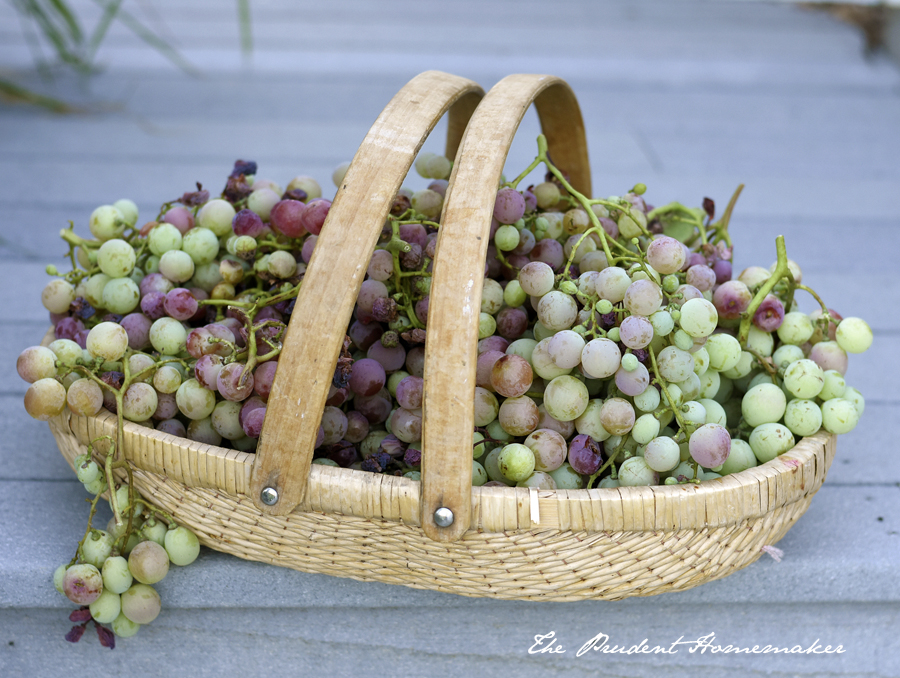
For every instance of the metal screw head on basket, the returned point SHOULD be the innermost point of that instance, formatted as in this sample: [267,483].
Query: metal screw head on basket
[269,496]
[443,517]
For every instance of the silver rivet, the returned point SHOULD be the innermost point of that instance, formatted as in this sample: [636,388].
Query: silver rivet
[269,496]
[443,517]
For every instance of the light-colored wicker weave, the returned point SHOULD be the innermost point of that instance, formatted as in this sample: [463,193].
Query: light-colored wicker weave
[512,543]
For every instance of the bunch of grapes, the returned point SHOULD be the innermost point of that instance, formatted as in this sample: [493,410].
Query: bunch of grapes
[112,573]
[616,348]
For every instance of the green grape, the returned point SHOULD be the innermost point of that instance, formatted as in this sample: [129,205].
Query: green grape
[740,458]
[839,415]
[786,354]
[58,574]
[87,471]
[854,335]
[261,201]
[770,440]
[107,222]
[804,379]
[128,210]
[97,547]
[763,404]
[182,546]
[166,379]
[516,462]
[123,627]
[693,413]
[207,276]
[506,238]
[217,215]
[566,478]
[629,362]
[683,340]
[177,266]
[566,398]
[97,486]
[167,336]
[796,328]
[701,361]
[715,413]
[116,258]
[117,577]
[743,367]
[662,454]
[856,398]
[479,475]
[834,386]
[155,530]
[759,340]
[648,400]
[165,237]
[588,422]
[803,417]
[107,340]
[140,402]
[724,351]
[645,428]
[636,472]
[487,325]
[540,480]
[106,608]
[698,318]
[140,603]
[121,295]
[514,295]
[201,244]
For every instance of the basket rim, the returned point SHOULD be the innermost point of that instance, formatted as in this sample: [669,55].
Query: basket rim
[732,498]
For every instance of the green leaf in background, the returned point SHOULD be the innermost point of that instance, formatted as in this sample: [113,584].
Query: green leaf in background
[60,27]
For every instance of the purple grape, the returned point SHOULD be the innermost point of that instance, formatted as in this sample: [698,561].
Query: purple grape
[287,217]
[421,309]
[253,422]
[375,409]
[68,328]
[610,226]
[770,314]
[685,293]
[269,313]
[81,338]
[357,427]
[550,252]
[315,214]
[336,396]
[484,366]
[233,383]
[364,335]
[207,369]
[636,332]
[512,323]
[530,200]
[584,454]
[632,383]
[732,298]
[263,378]
[439,186]
[252,403]
[415,361]
[180,304]
[154,305]
[709,445]
[181,218]
[166,407]
[137,327]
[509,206]
[367,377]
[247,222]
[493,343]
[722,269]
[414,234]
[309,244]
[702,277]
[155,282]
[172,427]
[343,454]
[409,392]
[198,342]
[391,359]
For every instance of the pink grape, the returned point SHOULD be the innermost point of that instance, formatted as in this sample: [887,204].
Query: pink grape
[314,216]
[287,217]
[367,377]
[233,383]
[709,445]
[248,222]
[509,206]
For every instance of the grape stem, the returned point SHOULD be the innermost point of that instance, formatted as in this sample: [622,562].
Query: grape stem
[87,532]
[662,383]
[782,271]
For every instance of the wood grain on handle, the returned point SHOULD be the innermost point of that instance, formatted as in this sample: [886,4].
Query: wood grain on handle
[455,301]
[327,296]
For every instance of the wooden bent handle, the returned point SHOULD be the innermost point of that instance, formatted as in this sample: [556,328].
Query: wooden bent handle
[327,296]
[455,301]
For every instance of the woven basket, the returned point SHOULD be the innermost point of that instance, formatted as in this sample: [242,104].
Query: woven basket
[512,543]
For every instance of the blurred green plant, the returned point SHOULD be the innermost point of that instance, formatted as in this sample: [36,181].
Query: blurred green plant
[76,48]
